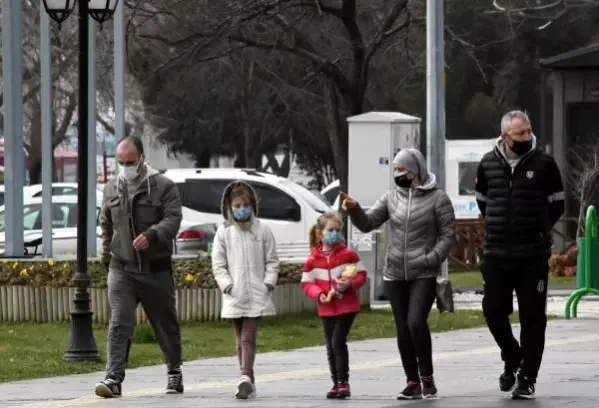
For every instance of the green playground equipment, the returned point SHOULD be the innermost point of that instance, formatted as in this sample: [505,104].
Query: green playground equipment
[588,248]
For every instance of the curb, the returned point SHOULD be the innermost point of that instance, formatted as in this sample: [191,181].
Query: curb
[550,292]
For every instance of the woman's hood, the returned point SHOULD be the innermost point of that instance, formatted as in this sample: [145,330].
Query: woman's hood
[413,160]
[225,206]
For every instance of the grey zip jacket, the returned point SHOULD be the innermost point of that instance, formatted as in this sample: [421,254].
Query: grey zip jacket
[422,224]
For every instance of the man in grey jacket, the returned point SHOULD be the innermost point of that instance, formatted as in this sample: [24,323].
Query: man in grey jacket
[140,218]
[422,224]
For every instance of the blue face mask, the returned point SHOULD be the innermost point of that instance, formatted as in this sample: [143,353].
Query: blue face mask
[242,214]
[332,238]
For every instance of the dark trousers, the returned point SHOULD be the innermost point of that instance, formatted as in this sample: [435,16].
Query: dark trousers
[156,292]
[411,303]
[336,330]
[528,278]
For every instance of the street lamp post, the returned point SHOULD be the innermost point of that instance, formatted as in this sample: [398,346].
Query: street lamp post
[82,345]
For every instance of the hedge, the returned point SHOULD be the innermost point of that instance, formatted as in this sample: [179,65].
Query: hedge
[188,273]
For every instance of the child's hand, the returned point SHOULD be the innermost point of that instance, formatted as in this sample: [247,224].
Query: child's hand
[343,285]
[322,298]
[228,289]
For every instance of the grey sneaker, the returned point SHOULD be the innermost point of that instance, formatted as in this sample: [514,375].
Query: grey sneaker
[109,388]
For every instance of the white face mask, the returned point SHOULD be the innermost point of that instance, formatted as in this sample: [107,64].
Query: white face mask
[129,173]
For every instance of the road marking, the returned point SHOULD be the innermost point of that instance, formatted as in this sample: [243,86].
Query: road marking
[299,374]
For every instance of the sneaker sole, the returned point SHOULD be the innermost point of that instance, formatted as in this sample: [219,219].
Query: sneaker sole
[174,392]
[409,398]
[429,396]
[244,391]
[103,391]
[522,397]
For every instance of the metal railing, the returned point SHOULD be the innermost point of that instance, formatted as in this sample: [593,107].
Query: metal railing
[590,236]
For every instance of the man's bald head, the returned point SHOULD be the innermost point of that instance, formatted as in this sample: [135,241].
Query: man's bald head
[129,151]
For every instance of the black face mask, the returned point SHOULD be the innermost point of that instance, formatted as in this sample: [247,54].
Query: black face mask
[403,181]
[521,148]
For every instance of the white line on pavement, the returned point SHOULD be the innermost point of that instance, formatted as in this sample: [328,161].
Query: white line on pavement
[299,374]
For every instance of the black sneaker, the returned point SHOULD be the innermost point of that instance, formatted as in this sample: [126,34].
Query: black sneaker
[108,388]
[175,382]
[429,390]
[525,389]
[507,379]
[413,391]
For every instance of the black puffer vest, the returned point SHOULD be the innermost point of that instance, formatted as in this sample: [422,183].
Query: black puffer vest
[517,221]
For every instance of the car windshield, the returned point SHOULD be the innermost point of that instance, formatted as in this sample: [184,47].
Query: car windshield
[30,215]
[315,201]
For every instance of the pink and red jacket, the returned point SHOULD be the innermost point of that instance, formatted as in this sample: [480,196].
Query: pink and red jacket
[318,278]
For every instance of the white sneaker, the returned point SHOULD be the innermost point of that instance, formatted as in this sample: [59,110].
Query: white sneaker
[245,388]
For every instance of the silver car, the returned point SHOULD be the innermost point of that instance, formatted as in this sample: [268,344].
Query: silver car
[192,238]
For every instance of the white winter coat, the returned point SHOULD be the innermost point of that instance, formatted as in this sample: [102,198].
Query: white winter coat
[248,260]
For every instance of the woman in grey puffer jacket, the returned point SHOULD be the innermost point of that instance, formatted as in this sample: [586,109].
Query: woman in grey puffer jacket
[422,224]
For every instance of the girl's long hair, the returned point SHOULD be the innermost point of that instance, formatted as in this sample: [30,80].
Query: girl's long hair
[321,223]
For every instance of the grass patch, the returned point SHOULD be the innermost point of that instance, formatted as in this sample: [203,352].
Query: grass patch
[35,350]
[474,280]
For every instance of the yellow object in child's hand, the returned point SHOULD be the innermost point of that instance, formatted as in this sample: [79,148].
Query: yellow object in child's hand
[350,272]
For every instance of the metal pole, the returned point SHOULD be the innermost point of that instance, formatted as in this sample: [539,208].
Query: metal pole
[14,160]
[440,100]
[543,114]
[92,148]
[82,345]
[119,71]
[47,151]
[435,94]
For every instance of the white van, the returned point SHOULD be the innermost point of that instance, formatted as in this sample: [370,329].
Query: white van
[288,208]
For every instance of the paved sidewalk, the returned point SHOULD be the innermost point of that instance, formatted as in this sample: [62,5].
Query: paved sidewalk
[467,365]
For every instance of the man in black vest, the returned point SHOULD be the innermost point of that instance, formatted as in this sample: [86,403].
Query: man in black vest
[520,194]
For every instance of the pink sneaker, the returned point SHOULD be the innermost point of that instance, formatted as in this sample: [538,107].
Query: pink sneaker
[343,390]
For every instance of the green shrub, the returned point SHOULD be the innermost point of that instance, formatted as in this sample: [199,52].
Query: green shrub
[144,334]
[188,273]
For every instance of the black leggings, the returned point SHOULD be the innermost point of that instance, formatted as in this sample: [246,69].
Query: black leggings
[411,302]
[336,329]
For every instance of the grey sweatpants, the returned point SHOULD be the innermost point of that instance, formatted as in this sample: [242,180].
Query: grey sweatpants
[156,292]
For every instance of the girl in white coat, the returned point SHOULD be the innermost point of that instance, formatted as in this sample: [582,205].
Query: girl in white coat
[246,267]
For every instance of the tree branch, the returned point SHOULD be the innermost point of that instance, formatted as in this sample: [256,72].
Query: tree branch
[386,30]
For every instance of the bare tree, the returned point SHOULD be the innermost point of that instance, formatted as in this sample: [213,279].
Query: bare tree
[546,13]
[64,81]
[583,178]
[336,40]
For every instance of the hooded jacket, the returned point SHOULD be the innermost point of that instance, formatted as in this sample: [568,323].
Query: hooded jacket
[153,210]
[319,276]
[422,226]
[245,263]
[520,200]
